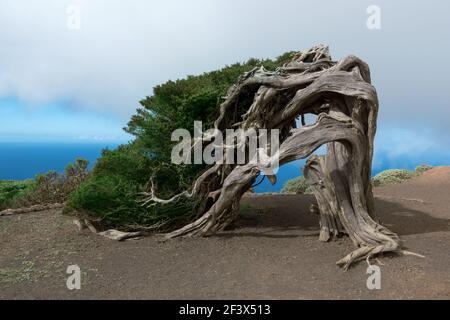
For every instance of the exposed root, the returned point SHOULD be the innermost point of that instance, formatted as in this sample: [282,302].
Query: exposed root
[366,252]
[35,208]
[112,234]
[199,227]
[119,235]
[409,253]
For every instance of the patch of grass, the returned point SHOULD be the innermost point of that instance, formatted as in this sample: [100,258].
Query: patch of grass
[17,275]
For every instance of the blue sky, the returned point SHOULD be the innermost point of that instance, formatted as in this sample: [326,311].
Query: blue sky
[59,84]
[57,121]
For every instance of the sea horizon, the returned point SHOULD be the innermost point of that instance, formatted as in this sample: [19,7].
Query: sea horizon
[24,160]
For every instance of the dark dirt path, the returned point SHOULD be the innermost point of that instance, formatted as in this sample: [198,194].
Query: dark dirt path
[273,253]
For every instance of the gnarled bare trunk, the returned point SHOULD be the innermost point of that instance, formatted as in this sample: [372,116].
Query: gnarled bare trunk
[346,103]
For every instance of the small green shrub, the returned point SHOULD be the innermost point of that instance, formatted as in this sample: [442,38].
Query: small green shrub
[127,161]
[54,187]
[392,176]
[51,187]
[107,197]
[113,200]
[422,168]
[297,185]
[10,191]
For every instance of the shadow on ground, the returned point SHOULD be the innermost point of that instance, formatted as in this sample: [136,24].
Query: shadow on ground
[292,214]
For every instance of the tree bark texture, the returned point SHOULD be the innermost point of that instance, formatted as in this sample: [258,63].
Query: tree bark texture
[342,97]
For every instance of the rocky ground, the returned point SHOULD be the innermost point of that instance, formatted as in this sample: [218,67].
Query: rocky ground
[272,253]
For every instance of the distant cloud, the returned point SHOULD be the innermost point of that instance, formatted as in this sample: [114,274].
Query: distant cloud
[123,49]
[393,142]
[100,138]
[54,122]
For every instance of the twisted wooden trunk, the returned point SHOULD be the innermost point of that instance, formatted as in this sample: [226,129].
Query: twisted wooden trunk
[341,95]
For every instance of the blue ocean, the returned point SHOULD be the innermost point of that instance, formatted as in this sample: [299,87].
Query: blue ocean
[24,160]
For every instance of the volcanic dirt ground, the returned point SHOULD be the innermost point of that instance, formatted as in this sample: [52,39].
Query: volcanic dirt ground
[273,252]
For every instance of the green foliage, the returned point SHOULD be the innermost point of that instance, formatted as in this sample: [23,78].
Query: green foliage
[54,187]
[51,187]
[10,191]
[112,200]
[392,176]
[112,194]
[297,185]
[422,168]
[128,161]
[108,198]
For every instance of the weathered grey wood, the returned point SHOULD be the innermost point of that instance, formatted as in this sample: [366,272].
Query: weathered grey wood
[34,208]
[346,103]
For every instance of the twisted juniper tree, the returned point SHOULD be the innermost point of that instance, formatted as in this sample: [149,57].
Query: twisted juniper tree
[341,95]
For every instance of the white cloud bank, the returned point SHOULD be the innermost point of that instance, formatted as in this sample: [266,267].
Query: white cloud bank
[124,48]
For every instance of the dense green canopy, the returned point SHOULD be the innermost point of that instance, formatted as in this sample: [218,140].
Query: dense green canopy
[111,194]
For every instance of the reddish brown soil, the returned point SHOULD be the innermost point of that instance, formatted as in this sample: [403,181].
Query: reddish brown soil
[272,253]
